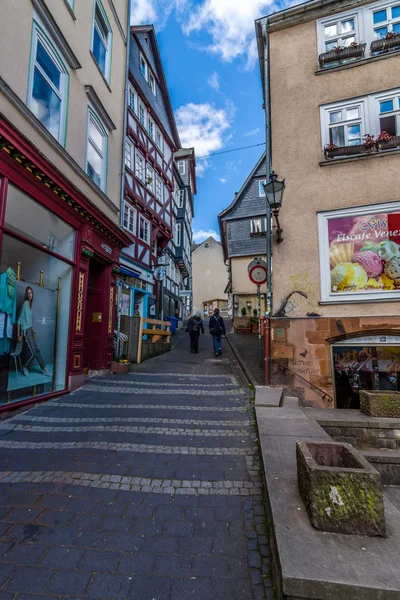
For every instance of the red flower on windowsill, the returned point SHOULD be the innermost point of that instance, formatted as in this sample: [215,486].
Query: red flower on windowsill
[368,140]
[331,146]
[383,136]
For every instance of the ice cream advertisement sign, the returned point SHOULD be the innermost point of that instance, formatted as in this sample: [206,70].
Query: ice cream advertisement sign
[364,253]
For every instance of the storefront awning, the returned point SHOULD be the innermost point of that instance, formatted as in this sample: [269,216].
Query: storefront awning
[128,272]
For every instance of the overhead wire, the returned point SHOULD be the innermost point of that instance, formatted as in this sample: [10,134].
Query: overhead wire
[227,151]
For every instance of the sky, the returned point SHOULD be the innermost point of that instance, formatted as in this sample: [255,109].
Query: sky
[209,53]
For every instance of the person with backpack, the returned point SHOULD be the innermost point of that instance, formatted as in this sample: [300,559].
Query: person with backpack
[194,326]
[217,329]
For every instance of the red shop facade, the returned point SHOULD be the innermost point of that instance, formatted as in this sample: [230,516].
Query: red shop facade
[59,258]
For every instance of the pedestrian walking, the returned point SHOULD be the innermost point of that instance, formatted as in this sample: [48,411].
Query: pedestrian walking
[217,329]
[194,327]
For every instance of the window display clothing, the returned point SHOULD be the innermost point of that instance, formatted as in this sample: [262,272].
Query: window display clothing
[33,351]
[8,308]
[25,317]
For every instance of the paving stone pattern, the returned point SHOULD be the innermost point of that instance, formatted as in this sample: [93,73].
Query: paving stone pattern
[92,509]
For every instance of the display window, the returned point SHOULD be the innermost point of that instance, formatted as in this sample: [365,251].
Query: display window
[365,364]
[35,298]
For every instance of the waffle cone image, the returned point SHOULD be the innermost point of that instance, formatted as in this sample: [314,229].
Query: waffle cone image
[341,253]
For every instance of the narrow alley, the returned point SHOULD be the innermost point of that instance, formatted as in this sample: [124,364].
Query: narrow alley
[142,486]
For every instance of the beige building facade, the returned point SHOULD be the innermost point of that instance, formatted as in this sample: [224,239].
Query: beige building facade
[62,100]
[209,277]
[333,134]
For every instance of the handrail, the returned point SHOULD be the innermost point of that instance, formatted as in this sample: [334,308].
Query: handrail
[330,398]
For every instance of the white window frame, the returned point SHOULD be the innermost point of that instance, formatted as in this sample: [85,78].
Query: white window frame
[98,123]
[340,37]
[256,225]
[376,115]
[130,218]
[369,19]
[152,82]
[107,40]
[181,167]
[150,175]
[261,191]
[140,165]
[327,109]
[142,108]
[323,241]
[133,94]
[40,35]
[159,135]
[146,66]
[129,155]
[159,189]
[151,127]
[147,230]
[181,198]
[178,234]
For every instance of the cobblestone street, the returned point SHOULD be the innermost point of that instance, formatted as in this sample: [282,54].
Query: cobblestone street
[144,486]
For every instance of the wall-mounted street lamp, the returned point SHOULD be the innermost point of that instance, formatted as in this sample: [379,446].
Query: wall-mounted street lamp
[236,305]
[274,195]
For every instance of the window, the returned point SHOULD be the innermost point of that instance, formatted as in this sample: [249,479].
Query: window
[150,178]
[159,189]
[96,150]
[154,248]
[71,3]
[144,229]
[181,167]
[386,20]
[142,114]
[101,45]
[389,114]
[342,235]
[150,127]
[48,86]
[152,83]
[129,218]
[258,226]
[181,198]
[340,32]
[345,126]
[159,139]
[140,165]
[132,99]
[143,67]
[261,191]
[178,233]
[129,155]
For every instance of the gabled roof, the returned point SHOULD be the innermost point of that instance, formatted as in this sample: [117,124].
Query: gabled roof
[240,192]
[154,58]
[189,154]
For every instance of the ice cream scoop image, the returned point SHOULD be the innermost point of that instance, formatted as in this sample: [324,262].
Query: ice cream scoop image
[348,276]
[388,250]
[369,261]
[392,269]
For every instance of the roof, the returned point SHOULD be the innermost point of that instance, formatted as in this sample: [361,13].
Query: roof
[190,154]
[239,193]
[154,58]
[204,242]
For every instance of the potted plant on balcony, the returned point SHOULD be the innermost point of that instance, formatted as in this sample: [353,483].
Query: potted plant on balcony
[120,366]
[332,150]
[385,141]
[389,42]
[342,53]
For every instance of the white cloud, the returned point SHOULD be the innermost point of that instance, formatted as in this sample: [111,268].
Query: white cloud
[143,11]
[222,179]
[199,235]
[213,81]
[252,132]
[230,24]
[205,127]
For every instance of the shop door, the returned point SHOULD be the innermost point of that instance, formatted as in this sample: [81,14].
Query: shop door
[95,317]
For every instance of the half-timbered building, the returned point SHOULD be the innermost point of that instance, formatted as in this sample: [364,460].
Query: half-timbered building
[152,139]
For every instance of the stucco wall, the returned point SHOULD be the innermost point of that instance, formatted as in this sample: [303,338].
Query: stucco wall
[297,93]
[241,283]
[209,273]
[15,42]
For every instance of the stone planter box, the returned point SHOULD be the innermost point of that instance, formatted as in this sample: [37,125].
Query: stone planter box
[348,53]
[341,491]
[380,403]
[347,151]
[385,44]
[394,142]
[120,368]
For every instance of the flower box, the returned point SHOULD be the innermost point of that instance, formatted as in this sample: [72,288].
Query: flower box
[348,53]
[347,150]
[394,142]
[385,44]
[120,368]
[380,403]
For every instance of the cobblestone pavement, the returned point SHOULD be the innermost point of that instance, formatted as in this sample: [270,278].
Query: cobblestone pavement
[145,486]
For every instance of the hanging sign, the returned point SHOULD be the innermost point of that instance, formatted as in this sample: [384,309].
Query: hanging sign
[159,273]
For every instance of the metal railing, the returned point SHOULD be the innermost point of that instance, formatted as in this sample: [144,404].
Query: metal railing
[315,387]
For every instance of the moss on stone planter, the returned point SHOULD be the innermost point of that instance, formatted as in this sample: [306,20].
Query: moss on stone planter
[380,403]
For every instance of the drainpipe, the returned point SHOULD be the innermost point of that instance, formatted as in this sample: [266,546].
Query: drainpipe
[268,161]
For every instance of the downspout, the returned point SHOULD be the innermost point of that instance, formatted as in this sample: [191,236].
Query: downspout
[268,162]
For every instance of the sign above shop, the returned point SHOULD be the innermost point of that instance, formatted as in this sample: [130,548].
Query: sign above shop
[106,248]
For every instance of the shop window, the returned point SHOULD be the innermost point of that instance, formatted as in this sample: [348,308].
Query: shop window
[359,253]
[144,230]
[102,37]
[32,221]
[370,363]
[34,319]
[96,150]
[48,85]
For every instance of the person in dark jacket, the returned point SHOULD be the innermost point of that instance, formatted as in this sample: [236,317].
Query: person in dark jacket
[217,329]
[194,326]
